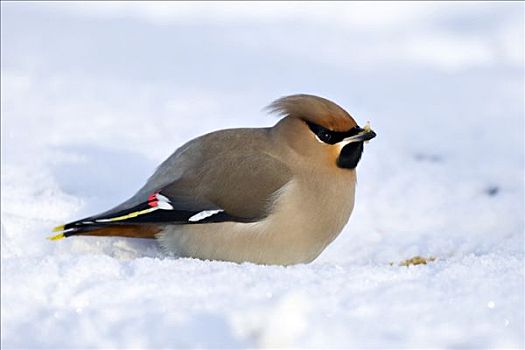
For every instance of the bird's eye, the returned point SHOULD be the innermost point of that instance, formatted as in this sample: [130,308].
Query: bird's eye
[325,136]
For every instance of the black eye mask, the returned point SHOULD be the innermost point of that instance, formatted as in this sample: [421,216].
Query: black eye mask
[332,137]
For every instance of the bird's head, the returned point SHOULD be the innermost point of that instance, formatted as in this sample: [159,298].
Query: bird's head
[319,127]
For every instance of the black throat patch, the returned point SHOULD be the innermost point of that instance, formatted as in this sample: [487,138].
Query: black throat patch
[350,155]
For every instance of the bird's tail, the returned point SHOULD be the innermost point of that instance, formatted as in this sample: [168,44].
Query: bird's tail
[139,221]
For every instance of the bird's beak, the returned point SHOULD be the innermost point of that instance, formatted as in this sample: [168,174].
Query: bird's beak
[364,134]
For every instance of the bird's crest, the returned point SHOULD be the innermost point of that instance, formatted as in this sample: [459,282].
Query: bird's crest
[314,109]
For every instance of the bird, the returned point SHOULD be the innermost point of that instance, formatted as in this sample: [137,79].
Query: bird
[274,195]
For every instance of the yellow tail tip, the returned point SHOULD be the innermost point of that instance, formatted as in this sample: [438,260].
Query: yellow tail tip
[56,237]
[59,228]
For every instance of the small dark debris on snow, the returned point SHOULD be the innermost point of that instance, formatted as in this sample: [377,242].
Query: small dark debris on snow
[432,158]
[492,191]
[417,260]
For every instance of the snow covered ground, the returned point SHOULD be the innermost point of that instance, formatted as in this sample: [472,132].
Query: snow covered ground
[95,95]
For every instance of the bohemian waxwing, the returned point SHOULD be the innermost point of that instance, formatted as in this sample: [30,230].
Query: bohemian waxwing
[274,195]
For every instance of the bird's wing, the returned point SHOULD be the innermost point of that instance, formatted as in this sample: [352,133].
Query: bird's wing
[242,185]
[208,186]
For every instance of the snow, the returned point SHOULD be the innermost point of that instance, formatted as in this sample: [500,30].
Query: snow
[95,95]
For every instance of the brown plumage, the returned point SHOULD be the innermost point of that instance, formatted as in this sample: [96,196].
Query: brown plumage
[132,231]
[274,195]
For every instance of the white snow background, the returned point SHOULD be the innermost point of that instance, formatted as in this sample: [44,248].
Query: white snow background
[95,95]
